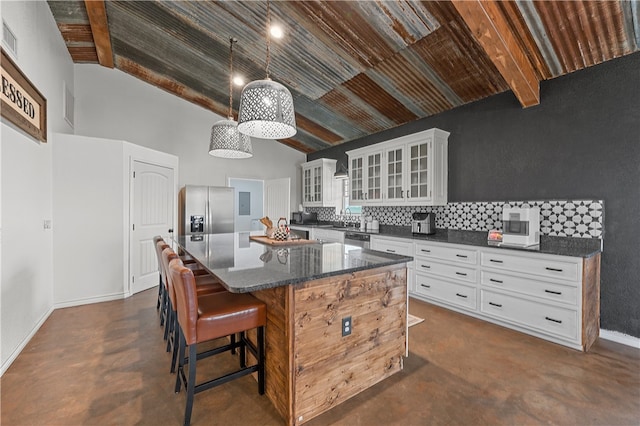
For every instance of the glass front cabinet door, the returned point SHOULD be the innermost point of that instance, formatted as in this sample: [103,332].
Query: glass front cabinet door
[318,185]
[409,170]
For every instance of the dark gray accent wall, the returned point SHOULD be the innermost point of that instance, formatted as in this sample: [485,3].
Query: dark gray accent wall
[582,141]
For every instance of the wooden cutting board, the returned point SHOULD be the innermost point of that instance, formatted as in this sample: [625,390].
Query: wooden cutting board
[266,240]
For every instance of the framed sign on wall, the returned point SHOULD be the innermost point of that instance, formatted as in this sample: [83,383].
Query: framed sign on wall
[22,104]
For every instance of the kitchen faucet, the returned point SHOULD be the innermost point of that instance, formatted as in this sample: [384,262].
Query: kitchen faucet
[344,217]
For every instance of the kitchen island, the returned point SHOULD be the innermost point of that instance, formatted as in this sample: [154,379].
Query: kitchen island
[336,315]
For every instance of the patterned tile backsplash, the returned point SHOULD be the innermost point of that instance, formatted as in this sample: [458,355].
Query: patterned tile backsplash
[563,218]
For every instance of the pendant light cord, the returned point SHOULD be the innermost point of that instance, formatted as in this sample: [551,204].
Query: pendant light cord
[268,38]
[231,41]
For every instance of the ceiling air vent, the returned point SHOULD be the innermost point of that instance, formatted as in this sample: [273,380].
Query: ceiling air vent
[68,107]
[9,39]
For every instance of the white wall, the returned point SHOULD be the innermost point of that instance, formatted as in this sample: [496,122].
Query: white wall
[91,206]
[27,258]
[114,105]
[89,216]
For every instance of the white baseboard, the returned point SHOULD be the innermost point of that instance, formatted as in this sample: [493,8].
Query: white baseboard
[616,336]
[89,300]
[24,342]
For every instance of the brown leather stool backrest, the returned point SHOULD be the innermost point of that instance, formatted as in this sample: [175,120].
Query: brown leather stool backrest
[167,256]
[184,284]
[157,240]
[160,246]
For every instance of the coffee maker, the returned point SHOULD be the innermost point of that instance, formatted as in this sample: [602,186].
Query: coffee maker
[423,223]
[521,226]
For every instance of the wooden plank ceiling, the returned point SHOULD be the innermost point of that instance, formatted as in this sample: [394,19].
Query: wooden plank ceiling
[353,67]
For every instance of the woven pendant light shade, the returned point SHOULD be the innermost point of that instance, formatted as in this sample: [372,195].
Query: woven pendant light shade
[266,107]
[266,111]
[227,142]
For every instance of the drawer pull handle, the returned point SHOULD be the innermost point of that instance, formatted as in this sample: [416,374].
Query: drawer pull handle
[464,296]
[553,320]
[426,266]
[425,250]
[495,281]
[461,273]
[425,286]
[553,269]
[498,305]
[391,251]
[495,261]
[461,255]
[553,292]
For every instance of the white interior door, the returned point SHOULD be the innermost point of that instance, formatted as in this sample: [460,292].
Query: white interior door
[153,210]
[277,198]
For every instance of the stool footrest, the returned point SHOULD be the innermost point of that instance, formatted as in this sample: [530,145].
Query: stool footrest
[226,378]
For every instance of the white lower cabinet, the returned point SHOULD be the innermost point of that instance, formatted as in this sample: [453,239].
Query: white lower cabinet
[402,246]
[445,291]
[552,297]
[327,235]
[529,313]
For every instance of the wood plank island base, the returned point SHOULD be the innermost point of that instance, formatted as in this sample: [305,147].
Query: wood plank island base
[310,365]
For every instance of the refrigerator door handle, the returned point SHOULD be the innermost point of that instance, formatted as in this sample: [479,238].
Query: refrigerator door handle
[207,224]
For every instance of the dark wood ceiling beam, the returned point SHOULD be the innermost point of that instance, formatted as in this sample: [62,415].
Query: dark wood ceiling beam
[97,12]
[494,34]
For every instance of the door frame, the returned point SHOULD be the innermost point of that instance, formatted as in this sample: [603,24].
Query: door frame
[132,153]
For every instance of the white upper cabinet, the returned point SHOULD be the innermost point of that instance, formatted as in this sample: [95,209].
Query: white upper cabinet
[365,177]
[318,185]
[409,170]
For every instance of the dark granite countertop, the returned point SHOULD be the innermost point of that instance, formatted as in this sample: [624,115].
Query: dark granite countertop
[562,246]
[244,265]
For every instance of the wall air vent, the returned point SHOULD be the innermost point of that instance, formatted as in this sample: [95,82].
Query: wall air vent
[68,104]
[9,40]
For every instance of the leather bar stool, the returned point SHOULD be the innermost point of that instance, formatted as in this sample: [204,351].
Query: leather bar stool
[161,305]
[204,285]
[160,245]
[206,318]
[161,289]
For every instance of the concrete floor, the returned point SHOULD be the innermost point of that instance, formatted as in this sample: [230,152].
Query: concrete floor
[106,364]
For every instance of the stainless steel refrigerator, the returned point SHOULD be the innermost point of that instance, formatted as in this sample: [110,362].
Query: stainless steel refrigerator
[206,210]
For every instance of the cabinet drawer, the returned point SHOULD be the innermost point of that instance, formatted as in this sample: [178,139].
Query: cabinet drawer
[529,314]
[448,271]
[546,290]
[328,235]
[569,270]
[392,246]
[452,254]
[445,291]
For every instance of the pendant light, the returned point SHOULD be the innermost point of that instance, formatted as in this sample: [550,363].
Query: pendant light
[226,141]
[266,107]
